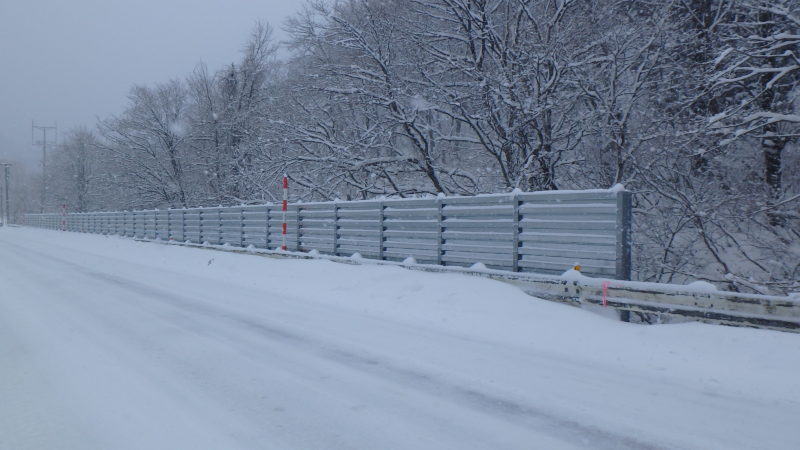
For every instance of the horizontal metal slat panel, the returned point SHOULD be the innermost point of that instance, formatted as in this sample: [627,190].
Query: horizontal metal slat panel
[415,227]
[430,214]
[419,255]
[495,211]
[304,214]
[565,197]
[472,246]
[359,204]
[479,200]
[317,206]
[350,251]
[313,223]
[392,233]
[358,214]
[317,239]
[548,224]
[371,241]
[477,236]
[472,259]
[584,253]
[568,262]
[410,203]
[371,233]
[494,226]
[363,224]
[561,238]
[394,245]
[578,209]
[328,234]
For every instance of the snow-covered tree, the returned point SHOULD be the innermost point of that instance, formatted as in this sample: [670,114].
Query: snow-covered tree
[149,144]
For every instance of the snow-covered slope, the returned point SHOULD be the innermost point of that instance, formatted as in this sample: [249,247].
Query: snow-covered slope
[109,343]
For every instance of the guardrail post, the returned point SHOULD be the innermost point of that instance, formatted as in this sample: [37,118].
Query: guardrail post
[515,244]
[624,224]
[380,230]
[440,230]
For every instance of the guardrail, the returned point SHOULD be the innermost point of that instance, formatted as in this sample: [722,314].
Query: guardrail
[635,301]
[542,232]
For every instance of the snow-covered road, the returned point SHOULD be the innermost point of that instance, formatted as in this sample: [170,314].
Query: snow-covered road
[106,343]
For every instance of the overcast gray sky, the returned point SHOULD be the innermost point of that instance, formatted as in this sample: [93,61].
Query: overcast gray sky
[72,61]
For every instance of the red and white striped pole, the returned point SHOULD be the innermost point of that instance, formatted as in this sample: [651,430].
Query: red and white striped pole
[285,208]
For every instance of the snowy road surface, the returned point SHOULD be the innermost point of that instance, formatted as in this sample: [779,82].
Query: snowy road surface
[106,343]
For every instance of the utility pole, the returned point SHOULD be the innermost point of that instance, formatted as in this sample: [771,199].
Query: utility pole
[43,143]
[6,205]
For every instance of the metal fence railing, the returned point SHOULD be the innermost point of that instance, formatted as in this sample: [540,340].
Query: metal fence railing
[543,232]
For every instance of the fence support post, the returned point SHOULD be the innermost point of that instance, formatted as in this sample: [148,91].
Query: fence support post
[440,231]
[335,228]
[515,243]
[380,230]
[221,239]
[624,224]
[266,228]
[297,227]
[241,222]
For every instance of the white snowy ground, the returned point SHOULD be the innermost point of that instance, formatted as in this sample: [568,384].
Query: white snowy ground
[107,343]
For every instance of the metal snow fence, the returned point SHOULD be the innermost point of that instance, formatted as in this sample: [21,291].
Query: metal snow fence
[542,232]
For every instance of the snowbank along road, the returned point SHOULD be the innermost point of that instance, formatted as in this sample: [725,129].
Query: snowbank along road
[109,343]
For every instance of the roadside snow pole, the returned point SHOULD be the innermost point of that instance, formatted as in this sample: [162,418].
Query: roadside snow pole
[284,209]
[63,217]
